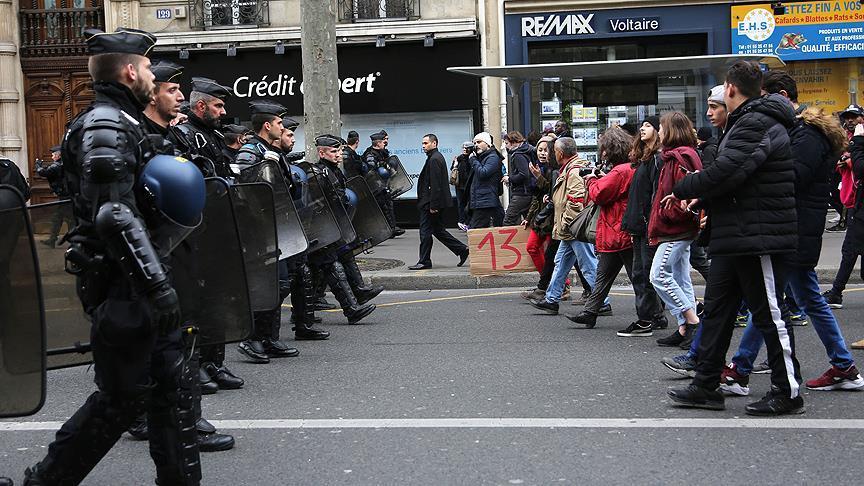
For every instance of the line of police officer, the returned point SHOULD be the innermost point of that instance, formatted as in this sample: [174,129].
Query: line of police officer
[139,246]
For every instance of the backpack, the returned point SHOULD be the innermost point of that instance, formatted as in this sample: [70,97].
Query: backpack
[11,175]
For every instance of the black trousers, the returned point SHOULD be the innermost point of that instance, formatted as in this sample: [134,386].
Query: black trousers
[760,280]
[386,204]
[648,305]
[485,217]
[136,371]
[432,225]
[548,264]
[853,246]
[518,209]
[608,266]
[699,259]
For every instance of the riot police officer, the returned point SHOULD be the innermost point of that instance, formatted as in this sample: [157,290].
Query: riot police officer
[57,182]
[353,164]
[116,253]
[377,157]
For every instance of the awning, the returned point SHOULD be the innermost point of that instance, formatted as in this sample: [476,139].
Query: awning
[716,64]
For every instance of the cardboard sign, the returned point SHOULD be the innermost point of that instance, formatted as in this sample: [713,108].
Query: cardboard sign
[498,251]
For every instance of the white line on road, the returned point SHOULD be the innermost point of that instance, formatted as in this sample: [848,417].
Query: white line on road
[503,423]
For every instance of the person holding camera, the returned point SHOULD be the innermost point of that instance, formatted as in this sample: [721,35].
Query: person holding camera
[56,180]
[460,169]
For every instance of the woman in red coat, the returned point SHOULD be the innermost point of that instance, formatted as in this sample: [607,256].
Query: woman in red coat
[614,246]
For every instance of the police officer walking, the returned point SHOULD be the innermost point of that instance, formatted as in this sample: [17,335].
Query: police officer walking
[57,182]
[122,282]
[376,157]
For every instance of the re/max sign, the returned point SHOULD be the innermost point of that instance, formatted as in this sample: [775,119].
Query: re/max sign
[572,24]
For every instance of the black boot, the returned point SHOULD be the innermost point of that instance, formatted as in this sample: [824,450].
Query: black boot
[215,442]
[208,386]
[272,345]
[138,429]
[254,350]
[338,282]
[4,481]
[319,282]
[224,377]
[364,293]
[302,313]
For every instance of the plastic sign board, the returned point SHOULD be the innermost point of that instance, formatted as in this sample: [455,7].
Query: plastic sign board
[808,30]
[498,251]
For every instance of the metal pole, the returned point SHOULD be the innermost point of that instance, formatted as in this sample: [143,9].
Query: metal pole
[320,70]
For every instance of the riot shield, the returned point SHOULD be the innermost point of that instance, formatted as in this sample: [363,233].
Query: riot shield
[375,182]
[340,214]
[209,272]
[369,221]
[256,220]
[313,206]
[292,239]
[22,316]
[399,182]
[67,325]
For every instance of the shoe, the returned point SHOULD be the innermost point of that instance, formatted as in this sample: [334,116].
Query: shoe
[741,320]
[637,329]
[587,319]
[689,334]
[223,377]
[4,481]
[462,226]
[695,396]
[365,294]
[605,310]
[837,228]
[682,364]
[138,430]
[565,294]
[672,340]
[304,333]
[463,258]
[321,303]
[356,315]
[734,383]
[419,266]
[397,231]
[278,349]
[215,442]
[660,322]
[835,219]
[762,368]
[798,320]
[254,350]
[536,294]
[775,402]
[834,301]
[857,344]
[837,379]
[204,427]
[207,385]
[547,307]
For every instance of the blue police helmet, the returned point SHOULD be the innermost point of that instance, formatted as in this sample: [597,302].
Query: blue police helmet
[174,195]
[352,197]
[383,172]
[298,174]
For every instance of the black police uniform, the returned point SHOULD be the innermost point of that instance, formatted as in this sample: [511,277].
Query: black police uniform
[57,181]
[327,262]
[124,288]
[205,141]
[375,158]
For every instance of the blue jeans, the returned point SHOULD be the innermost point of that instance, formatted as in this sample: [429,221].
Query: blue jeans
[670,276]
[805,288]
[569,253]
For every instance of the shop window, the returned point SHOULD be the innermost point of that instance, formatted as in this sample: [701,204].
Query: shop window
[216,14]
[376,10]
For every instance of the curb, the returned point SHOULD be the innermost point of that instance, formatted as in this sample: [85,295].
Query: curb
[415,281]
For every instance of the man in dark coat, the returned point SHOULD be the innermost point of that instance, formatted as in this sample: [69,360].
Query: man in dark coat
[433,195]
[750,189]
[485,181]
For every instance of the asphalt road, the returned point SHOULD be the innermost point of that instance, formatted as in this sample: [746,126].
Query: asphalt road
[473,387]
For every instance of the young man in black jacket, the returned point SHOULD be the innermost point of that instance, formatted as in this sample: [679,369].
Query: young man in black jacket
[433,195]
[520,154]
[750,189]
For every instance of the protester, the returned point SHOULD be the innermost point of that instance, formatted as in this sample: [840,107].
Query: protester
[485,180]
[520,156]
[615,246]
[673,229]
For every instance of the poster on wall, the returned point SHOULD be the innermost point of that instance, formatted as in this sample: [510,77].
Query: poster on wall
[585,137]
[550,108]
[825,84]
[807,30]
[581,114]
[548,125]
[616,121]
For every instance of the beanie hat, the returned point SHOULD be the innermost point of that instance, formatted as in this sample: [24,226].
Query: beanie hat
[485,137]
[716,95]
[652,120]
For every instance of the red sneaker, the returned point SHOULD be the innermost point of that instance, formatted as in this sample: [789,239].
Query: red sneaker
[733,382]
[838,379]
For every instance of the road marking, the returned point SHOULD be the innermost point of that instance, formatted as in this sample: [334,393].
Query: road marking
[504,423]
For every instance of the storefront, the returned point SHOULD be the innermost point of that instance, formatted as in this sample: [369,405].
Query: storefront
[617,34]
[821,43]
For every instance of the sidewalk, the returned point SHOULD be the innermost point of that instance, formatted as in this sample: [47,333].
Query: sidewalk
[444,273]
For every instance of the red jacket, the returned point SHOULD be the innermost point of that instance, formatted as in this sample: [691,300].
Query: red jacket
[673,224]
[610,193]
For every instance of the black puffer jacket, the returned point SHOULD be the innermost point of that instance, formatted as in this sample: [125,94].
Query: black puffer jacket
[641,195]
[750,187]
[520,176]
[817,140]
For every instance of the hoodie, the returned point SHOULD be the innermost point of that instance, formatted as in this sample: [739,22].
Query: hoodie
[521,179]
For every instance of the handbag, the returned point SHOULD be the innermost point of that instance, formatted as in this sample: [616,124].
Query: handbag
[584,227]
[454,175]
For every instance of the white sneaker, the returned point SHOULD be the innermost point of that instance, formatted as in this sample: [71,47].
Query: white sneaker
[463,226]
[835,219]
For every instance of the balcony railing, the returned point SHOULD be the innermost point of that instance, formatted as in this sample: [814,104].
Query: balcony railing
[225,14]
[377,10]
[57,32]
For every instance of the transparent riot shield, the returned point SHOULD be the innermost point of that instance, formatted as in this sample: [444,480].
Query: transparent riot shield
[256,220]
[209,272]
[375,182]
[399,182]
[340,214]
[292,239]
[369,221]
[315,212]
[67,325]
[22,316]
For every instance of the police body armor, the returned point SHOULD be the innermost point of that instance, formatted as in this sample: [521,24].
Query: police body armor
[205,147]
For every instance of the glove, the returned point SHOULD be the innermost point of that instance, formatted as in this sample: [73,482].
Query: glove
[165,308]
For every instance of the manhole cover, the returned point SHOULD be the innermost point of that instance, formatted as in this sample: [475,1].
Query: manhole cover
[373,264]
